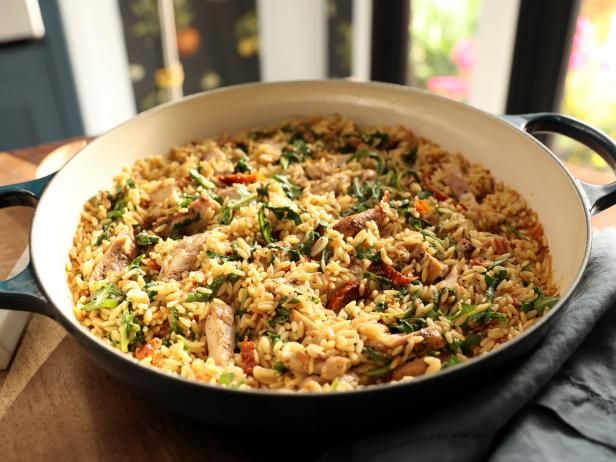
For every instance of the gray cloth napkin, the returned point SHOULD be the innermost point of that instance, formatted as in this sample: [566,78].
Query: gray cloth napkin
[559,404]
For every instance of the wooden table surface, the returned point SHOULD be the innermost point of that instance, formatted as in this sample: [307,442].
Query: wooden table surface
[55,404]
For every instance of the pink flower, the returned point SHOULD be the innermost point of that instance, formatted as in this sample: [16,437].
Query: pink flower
[451,86]
[582,43]
[464,54]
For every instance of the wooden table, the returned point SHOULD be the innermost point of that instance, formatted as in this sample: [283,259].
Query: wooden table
[55,404]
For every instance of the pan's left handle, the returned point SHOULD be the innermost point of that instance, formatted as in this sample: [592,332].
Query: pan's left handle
[22,292]
[600,197]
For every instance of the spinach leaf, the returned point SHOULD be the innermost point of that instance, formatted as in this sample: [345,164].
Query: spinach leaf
[453,360]
[136,263]
[409,325]
[280,368]
[215,256]
[264,225]
[424,194]
[366,153]
[378,372]
[127,326]
[105,234]
[517,232]
[324,258]
[294,254]
[200,179]
[108,296]
[286,213]
[493,281]
[208,292]
[291,190]
[411,156]
[282,314]
[118,207]
[177,229]
[296,152]
[144,239]
[226,378]
[539,303]
[376,139]
[242,166]
[187,200]
[380,279]
[374,355]
[226,213]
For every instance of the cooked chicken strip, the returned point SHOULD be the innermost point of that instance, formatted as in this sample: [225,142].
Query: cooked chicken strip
[454,178]
[184,257]
[351,225]
[413,368]
[432,269]
[165,196]
[220,333]
[335,366]
[117,257]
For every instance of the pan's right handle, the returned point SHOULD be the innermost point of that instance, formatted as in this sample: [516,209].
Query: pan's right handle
[22,292]
[600,197]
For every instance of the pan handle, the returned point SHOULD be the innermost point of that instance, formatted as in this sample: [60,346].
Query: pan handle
[22,292]
[599,197]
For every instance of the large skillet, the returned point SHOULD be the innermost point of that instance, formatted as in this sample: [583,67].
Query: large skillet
[504,145]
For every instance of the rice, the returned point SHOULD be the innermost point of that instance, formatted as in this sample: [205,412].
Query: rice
[315,255]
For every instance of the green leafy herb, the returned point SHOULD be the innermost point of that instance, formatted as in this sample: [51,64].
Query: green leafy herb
[378,372]
[440,293]
[286,213]
[273,336]
[108,296]
[539,303]
[130,183]
[150,289]
[517,232]
[368,195]
[296,152]
[242,166]
[466,346]
[453,360]
[346,149]
[282,314]
[424,194]
[127,326]
[226,213]
[174,325]
[411,156]
[374,355]
[118,207]
[280,368]
[294,254]
[187,200]
[216,256]
[291,190]
[493,281]
[309,241]
[380,279]
[325,258]
[376,139]
[208,292]
[200,179]
[144,239]
[177,230]
[380,306]
[487,316]
[394,179]
[104,235]
[366,153]
[136,263]
[409,325]
[264,225]
[226,378]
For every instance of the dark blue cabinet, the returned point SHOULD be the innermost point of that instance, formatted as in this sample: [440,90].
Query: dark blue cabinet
[38,99]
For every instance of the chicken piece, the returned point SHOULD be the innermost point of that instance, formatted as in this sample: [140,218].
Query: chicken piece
[432,340]
[465,246]
[451,280]
[413,368]
[299,317]
[164,196]
[247,350]
[335,366]
[298,361]
[184,257]
[432,269]
[344,295]
[351,225]
[116,258]
[213,154]
[193,221]
[454,178]
[220,333]
[229,193]
[387,271]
